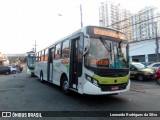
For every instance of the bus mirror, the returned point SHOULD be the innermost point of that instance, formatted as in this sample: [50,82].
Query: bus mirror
[86,45]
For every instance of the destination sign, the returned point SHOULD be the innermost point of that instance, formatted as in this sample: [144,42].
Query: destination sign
[108,33]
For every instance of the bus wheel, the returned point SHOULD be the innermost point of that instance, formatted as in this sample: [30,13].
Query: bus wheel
[41,77]
[65,85]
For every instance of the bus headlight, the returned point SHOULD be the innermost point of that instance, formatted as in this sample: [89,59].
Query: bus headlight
[89,78]
[93,81]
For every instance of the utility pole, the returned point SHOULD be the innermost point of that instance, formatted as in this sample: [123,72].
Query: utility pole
[81,15]
[35,45]
[157,43]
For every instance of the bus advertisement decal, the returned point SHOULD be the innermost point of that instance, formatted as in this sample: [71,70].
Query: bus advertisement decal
[65,61]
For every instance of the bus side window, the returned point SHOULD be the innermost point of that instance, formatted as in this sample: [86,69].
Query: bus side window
[57,51]
[65,49]
[36,57]
[46,55]
[52,54]
[42,55]
[39,56]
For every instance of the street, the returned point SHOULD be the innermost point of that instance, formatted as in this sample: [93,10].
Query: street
[25,93]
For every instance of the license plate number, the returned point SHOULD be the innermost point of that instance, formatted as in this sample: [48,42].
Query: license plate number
[114,87]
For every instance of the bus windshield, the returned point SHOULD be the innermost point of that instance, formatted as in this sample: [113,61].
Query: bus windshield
[106,54]
[31,61]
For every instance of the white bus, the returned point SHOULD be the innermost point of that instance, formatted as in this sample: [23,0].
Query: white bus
[31,59]
[92,60]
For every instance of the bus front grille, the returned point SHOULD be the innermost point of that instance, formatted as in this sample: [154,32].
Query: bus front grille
[110,87]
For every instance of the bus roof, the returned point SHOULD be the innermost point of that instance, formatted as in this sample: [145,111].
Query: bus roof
[87,30]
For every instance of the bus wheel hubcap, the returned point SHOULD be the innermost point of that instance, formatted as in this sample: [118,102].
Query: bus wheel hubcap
[65,85]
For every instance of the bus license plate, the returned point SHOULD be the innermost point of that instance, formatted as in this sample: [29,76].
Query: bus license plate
[114,87]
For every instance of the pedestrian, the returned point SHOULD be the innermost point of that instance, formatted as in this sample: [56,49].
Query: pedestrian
[17,70]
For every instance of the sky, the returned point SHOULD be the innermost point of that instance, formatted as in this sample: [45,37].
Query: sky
[22,22]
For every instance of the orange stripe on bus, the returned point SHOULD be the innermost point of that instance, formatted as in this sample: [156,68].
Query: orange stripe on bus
[65,61]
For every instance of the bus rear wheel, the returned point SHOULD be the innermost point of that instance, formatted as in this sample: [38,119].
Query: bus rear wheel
[65,85]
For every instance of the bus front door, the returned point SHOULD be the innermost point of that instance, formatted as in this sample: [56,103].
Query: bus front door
[50,65]
[75,61]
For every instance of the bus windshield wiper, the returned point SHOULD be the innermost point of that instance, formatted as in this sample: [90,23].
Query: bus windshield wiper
[105,45]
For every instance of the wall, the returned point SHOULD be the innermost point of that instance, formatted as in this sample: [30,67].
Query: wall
[143,49]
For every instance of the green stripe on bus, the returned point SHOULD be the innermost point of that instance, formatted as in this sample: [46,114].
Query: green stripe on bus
[110,80]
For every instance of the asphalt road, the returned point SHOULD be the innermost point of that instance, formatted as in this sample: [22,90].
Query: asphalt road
[24,93]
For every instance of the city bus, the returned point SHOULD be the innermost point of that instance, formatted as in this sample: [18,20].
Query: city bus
[30,63]
[93,60]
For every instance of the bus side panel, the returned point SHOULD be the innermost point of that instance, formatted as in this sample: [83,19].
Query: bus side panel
[41,66]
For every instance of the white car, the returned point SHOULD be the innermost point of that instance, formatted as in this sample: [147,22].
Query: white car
[13,69]
[154,66]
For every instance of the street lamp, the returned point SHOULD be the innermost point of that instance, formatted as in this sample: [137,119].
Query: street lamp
[81,15]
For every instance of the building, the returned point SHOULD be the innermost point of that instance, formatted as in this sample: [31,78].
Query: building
[3,60]
[125,23]
[17,59]
[144,46]
[143,51]
[112,15]
[144,24]
[109,14]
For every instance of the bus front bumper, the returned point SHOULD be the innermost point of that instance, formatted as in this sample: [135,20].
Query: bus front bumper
[91,89]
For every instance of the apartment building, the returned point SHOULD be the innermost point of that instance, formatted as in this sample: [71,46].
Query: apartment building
[144,24]
[112,15]
[145,35]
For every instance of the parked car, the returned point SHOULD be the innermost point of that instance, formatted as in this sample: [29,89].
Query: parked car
[154,66]
[157,76]
[140,72]
[5,70]
[13,69]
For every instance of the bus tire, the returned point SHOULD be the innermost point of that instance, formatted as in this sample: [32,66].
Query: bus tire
[65,85]
[41,77]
